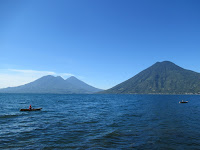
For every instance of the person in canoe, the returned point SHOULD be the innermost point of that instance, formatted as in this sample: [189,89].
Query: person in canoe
[30,107]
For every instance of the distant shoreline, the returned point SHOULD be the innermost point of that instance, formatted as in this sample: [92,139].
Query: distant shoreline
[103,94]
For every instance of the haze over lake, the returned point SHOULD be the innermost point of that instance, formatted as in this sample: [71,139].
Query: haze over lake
[100,122]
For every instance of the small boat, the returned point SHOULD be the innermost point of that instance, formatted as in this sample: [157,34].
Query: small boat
[33,109]
[183,101]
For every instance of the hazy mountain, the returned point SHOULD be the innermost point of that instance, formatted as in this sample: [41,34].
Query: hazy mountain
[76,83]
[51,84]
[161,78]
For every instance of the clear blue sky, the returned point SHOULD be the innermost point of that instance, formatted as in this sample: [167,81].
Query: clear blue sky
[102,42]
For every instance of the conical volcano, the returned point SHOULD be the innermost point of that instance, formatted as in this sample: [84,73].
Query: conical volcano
[161,78]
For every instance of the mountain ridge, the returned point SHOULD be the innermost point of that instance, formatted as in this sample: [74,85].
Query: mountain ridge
[51,84]
[160,78]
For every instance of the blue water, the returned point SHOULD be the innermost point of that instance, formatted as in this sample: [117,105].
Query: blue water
[100,122]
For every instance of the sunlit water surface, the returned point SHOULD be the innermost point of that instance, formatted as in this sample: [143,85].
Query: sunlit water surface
[100,122]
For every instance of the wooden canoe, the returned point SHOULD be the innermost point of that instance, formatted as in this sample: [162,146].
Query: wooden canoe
[184,102]
[33,109]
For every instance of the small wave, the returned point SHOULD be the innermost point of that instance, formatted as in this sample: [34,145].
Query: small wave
[22,102]
[112,134]
[10,115]
[114,125]
[90,122]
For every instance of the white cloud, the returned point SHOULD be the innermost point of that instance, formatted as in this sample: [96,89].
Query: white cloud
[65,74]
[11,80]
[16,77]
[33,71]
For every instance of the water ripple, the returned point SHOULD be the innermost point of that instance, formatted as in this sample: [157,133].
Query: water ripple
[99,122]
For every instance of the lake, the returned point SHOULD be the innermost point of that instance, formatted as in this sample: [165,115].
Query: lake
[100,122]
